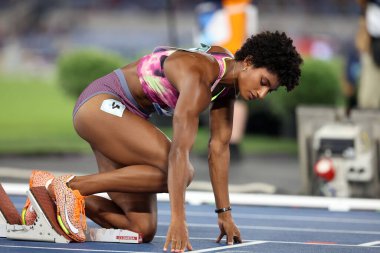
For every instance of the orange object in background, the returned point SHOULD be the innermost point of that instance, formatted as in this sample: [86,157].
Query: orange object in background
[227,23]
[237,17]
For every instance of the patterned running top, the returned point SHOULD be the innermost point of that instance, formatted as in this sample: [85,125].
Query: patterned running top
[157,87]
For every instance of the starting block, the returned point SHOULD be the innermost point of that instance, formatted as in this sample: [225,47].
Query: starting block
[46,227]
[112,235]
[8,213]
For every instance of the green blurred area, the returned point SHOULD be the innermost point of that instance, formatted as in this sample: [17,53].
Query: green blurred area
[76,69]
[36,109]
[36,118]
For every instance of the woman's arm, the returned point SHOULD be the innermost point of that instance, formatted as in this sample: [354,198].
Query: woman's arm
[187,75]
[192,101]
[219,153]
[221,117]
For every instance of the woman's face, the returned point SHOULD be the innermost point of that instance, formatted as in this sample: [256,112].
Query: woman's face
[256,83]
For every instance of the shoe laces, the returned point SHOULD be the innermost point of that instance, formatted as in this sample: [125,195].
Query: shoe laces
[79,210]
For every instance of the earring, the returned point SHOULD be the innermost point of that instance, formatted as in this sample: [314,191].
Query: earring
[245,68]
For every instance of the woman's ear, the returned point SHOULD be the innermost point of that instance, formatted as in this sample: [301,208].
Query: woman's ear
[248,61]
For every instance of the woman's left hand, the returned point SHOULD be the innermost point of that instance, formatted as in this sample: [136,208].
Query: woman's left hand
[228,228]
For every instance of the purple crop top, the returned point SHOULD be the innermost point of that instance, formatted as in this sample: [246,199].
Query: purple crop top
[157,87]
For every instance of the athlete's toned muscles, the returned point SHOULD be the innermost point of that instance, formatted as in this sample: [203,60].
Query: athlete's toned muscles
[136,160]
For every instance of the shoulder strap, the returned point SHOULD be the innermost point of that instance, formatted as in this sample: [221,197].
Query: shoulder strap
[203,48]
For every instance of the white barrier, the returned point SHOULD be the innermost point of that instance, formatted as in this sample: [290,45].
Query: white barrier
[201,197]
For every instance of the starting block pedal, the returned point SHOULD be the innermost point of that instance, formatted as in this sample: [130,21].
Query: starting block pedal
[46,227]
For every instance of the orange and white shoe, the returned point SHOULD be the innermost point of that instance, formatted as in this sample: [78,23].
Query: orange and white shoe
[38,178]
[70,208]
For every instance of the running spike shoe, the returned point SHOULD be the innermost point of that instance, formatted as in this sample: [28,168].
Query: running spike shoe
[70,208]
[38,178]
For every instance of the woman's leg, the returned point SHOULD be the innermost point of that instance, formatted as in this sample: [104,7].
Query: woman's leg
[105,212]
[131,144]
[133,211]
[132,156]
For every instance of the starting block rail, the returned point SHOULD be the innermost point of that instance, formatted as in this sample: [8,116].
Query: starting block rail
[46,227]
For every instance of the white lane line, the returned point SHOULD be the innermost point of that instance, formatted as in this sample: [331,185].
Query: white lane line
[286,242]
[283,217]
[370,243]
[68,249]
[207,197]
[248,243]
[271,217]
[321,244]
[311,230]
[230,246]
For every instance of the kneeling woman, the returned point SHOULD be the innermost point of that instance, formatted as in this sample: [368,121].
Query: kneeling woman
[136,160]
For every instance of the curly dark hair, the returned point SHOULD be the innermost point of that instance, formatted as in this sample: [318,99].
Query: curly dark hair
[274,51]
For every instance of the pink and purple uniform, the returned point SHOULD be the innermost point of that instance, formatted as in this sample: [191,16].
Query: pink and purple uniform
[155,85]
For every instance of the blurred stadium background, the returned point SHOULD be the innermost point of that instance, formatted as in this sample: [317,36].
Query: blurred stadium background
[41,41]
[34,33]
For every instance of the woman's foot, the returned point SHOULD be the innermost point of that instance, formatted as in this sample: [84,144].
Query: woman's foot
[70,208]
[37,179]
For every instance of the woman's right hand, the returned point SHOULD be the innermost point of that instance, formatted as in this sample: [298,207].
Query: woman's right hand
[178,237]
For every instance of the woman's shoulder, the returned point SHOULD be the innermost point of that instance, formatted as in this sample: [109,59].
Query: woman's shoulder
[199,62]
[219,49]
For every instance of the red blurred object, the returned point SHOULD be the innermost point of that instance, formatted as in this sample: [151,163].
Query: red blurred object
[324,168]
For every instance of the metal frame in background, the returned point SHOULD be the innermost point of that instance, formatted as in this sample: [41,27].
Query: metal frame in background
[311,118]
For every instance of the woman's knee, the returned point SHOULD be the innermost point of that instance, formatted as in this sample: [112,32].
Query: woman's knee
[148,233]
[146,227]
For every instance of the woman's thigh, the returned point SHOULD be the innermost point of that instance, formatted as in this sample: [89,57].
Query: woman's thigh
[126,140]
[140,209]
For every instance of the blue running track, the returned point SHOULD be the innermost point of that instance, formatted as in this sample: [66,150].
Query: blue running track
[264,230]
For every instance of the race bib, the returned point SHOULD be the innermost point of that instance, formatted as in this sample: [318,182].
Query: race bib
[113,107]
